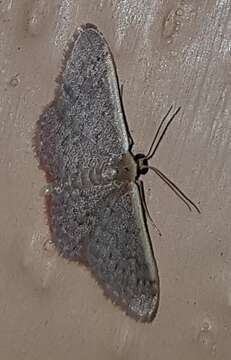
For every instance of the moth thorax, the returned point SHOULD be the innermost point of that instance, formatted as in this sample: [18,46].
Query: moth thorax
[142,164]
[126,168]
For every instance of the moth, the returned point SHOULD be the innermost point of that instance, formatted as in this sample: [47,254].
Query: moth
[96,206]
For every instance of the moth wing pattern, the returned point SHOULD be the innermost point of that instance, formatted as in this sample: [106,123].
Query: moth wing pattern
[120,254]
[86,115]
[101,225]
[82,128]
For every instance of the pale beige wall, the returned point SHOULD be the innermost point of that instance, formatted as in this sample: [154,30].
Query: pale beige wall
[166,52]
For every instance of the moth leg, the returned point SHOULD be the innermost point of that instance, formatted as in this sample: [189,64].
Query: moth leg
[144,204]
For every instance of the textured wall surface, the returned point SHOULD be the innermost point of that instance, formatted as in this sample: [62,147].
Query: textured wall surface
[166,52]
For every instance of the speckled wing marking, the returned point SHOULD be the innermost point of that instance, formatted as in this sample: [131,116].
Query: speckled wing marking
[86,116]
[82,128]
[120,254]
[97,222]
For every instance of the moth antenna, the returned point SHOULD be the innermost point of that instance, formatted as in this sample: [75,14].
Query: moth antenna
[143,201]
[158,130]
[149,156]
[176,189]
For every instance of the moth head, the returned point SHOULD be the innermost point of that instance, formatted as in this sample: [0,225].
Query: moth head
[142,164]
